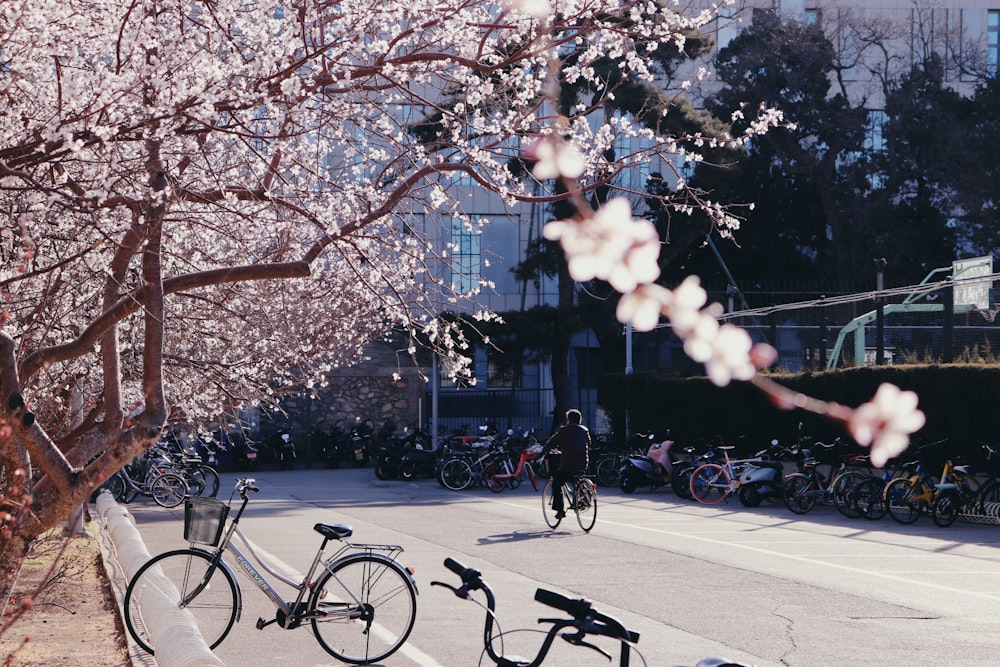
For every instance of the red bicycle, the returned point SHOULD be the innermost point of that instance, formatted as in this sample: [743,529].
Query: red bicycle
[502,475]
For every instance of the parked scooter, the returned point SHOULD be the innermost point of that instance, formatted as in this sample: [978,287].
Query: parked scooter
[652,470]
[764,480]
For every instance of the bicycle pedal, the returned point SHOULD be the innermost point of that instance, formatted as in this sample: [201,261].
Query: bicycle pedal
[261,623]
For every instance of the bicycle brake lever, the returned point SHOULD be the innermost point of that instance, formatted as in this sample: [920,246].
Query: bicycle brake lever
[462,592]
[576,638]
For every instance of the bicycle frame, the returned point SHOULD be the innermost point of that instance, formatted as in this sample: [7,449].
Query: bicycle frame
[523,466]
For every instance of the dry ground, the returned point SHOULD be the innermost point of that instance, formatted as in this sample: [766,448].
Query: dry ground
[72,620]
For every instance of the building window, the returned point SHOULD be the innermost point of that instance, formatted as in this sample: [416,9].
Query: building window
[503,371]
[466,249]
[992,41]
[813,16]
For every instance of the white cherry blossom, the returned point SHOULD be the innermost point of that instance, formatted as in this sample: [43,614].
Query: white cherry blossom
[642,307]
[555,159]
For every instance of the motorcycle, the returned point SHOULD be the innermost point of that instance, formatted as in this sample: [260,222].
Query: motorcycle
[420,459]
[286,452]
[764,480]
[361,446]
[245,454]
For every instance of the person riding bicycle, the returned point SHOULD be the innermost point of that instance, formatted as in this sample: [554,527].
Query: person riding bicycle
[572,440]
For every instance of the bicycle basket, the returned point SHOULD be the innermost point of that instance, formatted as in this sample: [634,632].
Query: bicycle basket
[204,519]
[532,453]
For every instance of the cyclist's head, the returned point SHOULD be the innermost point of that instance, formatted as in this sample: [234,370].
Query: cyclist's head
[573,416]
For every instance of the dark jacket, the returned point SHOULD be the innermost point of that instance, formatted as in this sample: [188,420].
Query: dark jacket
[573,440]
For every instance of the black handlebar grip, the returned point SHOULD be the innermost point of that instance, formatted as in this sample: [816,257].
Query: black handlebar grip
[455,566]
[575,608]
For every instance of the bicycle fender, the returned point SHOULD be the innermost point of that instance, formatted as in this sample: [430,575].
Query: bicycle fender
[225,566]
[372,555]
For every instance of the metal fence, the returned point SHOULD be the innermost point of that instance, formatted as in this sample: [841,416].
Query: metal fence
[464,411]
[929,323]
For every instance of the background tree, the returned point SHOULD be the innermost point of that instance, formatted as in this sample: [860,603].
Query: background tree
[802,178]
[200,198]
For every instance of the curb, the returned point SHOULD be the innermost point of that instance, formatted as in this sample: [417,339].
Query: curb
[123,552]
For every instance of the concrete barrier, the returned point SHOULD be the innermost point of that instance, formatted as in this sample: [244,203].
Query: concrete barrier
[174,631]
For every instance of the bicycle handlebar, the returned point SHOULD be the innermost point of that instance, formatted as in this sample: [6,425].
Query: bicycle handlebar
[246,484]
[586,620]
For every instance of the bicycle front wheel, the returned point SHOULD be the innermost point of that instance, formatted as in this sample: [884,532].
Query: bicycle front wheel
[456,474]
[845,493]
[550,514]
[168,490]
[364,608]
[709,484]
[162,585]
[585,503]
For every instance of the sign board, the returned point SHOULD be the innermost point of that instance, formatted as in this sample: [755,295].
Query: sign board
[968,290]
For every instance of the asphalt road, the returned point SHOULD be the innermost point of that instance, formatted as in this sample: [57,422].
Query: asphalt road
[760,586]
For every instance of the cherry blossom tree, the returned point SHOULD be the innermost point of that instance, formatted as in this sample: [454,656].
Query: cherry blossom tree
[206,202]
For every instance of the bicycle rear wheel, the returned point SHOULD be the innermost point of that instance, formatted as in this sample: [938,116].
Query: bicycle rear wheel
[364,608]
[798,493]
[547,511]
[608,470]
[899,499]
[168,490]
[585,503]
[709,484]
[869,500]
[946,507]
[161,584]
[211,477]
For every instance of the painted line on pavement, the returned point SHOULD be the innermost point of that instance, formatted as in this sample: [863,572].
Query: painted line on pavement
[770,552]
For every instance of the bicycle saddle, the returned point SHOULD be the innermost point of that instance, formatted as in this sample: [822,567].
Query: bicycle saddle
[335,531]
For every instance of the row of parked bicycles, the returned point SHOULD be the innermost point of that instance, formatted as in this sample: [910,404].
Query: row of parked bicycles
[167,474]
[929,481]
[926,481]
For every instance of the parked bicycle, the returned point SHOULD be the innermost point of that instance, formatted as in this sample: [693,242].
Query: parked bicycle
[144,477]
[360,601]
[711,483]
[908,497]
[503,474]
[810,485]
[579,496]
[584,620]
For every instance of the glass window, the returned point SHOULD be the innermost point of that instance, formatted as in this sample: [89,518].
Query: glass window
[466,248]
[992,41]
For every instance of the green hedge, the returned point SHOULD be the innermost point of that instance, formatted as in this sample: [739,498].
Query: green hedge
[962,403]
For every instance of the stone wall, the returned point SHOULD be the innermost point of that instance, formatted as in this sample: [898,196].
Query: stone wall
[366,390]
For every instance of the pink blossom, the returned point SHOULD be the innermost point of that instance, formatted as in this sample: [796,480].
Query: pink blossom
[538,9]
[730,358]
[643,306]
[555,159]
[886,422]
[610,245]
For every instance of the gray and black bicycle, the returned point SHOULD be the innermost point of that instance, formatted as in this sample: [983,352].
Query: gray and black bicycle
[360,601]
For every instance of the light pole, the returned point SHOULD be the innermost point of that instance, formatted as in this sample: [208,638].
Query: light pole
[879,313]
